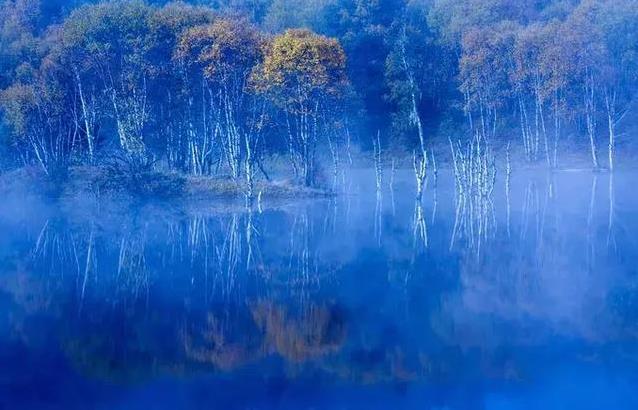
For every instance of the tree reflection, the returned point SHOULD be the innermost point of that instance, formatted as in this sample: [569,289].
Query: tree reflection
[149,293]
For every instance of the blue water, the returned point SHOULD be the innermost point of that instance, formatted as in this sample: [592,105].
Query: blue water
[528,300]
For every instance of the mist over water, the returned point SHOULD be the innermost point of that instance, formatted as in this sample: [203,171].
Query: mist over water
[309,204]
[366,300]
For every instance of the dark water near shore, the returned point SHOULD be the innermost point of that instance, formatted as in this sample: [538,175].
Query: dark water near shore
[527,301]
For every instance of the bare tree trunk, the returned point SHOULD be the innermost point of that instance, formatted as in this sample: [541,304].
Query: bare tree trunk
[249,171]
[420,161]
[556,103]
[610,105]
[525,131]
[416,118]
[334,153]
[88,117]
[378,161]
[590,117]
[541,118]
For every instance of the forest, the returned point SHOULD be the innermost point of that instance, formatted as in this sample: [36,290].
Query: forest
[244,89]
[318,204]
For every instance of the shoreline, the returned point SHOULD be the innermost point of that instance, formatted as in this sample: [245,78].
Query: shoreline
[155,185]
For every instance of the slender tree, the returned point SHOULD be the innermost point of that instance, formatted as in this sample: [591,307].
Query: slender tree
[304,74]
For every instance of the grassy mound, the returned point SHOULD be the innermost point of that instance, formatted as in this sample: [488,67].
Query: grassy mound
[146,184]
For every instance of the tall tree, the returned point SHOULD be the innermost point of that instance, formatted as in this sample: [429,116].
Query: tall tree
[305,75]
[222,55]
[486,61]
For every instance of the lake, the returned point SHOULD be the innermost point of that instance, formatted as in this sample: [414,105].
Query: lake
[525,300]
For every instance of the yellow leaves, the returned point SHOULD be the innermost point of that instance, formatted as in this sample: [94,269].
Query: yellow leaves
[176,16]
[300,65]
[17,101]
[223,48]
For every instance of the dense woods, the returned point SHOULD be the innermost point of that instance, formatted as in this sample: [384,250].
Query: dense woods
[217,87]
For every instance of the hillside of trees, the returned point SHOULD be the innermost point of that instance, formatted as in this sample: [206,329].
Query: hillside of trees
[216,87]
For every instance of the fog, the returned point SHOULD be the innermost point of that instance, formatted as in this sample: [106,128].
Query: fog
[345,291]
[318,204]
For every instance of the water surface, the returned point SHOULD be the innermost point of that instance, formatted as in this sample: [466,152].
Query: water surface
[527,300]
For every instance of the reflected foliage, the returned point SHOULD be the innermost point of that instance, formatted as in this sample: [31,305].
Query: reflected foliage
[176,294]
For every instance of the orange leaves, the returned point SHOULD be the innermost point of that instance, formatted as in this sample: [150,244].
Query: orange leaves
[486,61]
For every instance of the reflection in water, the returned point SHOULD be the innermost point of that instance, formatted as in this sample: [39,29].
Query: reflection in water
[482,289]
[611,238]
[475,178]
[420,232]
[378,217]
[313,332]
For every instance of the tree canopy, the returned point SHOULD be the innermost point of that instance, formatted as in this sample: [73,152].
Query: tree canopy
[162,81]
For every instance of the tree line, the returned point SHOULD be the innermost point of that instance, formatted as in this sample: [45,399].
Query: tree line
[176,84]
[213,86]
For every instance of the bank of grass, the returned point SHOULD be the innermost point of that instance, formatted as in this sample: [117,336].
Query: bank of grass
[219,187]
[148,184]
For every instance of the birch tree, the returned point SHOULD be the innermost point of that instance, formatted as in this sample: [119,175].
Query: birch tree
[304,74]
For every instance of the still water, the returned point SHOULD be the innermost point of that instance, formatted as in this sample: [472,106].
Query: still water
[528,300]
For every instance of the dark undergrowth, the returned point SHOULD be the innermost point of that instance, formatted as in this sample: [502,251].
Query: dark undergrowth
[144,182]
